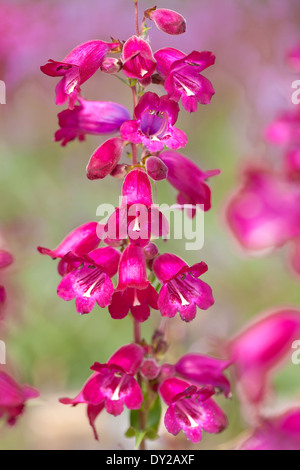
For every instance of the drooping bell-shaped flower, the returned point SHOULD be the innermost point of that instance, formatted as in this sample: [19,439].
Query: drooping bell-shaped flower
[105,158]
[80,241]
[134,292]
[190,409]
[181,291]
[189,180]
[154,124]
[182,77]
[90,117]
[259,348]
[89,283]
[280,432]
[137,58]
[204,370]
[265,211]
[112,385]
[136,218]
[76,68]
[168,21]
[132,269]
[137,301]
[13,397]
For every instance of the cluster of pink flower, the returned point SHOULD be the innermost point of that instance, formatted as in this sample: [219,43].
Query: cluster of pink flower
[264,213]
[87,270]
[12,395]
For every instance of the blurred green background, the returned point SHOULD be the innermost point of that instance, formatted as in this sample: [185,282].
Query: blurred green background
[45,194]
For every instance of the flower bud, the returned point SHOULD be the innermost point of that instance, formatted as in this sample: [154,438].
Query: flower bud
[111,65]
[156,168]
[168,21]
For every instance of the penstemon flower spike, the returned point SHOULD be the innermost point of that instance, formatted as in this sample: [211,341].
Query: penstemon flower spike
[136,376]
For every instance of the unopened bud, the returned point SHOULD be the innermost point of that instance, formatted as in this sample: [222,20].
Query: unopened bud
[168,21]
[156,168]
[111,65]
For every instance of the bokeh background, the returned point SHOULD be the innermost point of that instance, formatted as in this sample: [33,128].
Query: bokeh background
[45,194]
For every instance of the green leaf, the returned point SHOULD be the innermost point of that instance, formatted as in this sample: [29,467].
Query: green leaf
[154,414]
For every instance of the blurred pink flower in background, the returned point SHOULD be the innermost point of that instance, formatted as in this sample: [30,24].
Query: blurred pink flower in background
[13,397]
[276,433]
[258,350]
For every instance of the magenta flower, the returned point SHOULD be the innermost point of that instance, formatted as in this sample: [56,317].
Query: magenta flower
[137,218]
[182,78]
[259,349]
[13,397]
[134,292]
[138,60]
[276,433]
[204,370]
[112,385]
[80,241]
[132,269]
[89,283]
[90,117]
[285,130]
[182,291]
[189,180]
[137,301]
[105,159]
[168,21]
[265,211]
[154,124]
[190,409]
[76,68]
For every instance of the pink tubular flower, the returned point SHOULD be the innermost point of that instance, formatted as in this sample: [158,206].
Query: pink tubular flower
[204,370]
[181,291]
[265,211]
[191,409]
[276,433]
[154,124]
[168,21]
[182,76]
[188,179]
[105,159]
[259,349]
[138,60]
[13,397]
[76,68]
[112,385]
[134,292]
[90,117]
[80,241]
[137,218]
[89,283]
